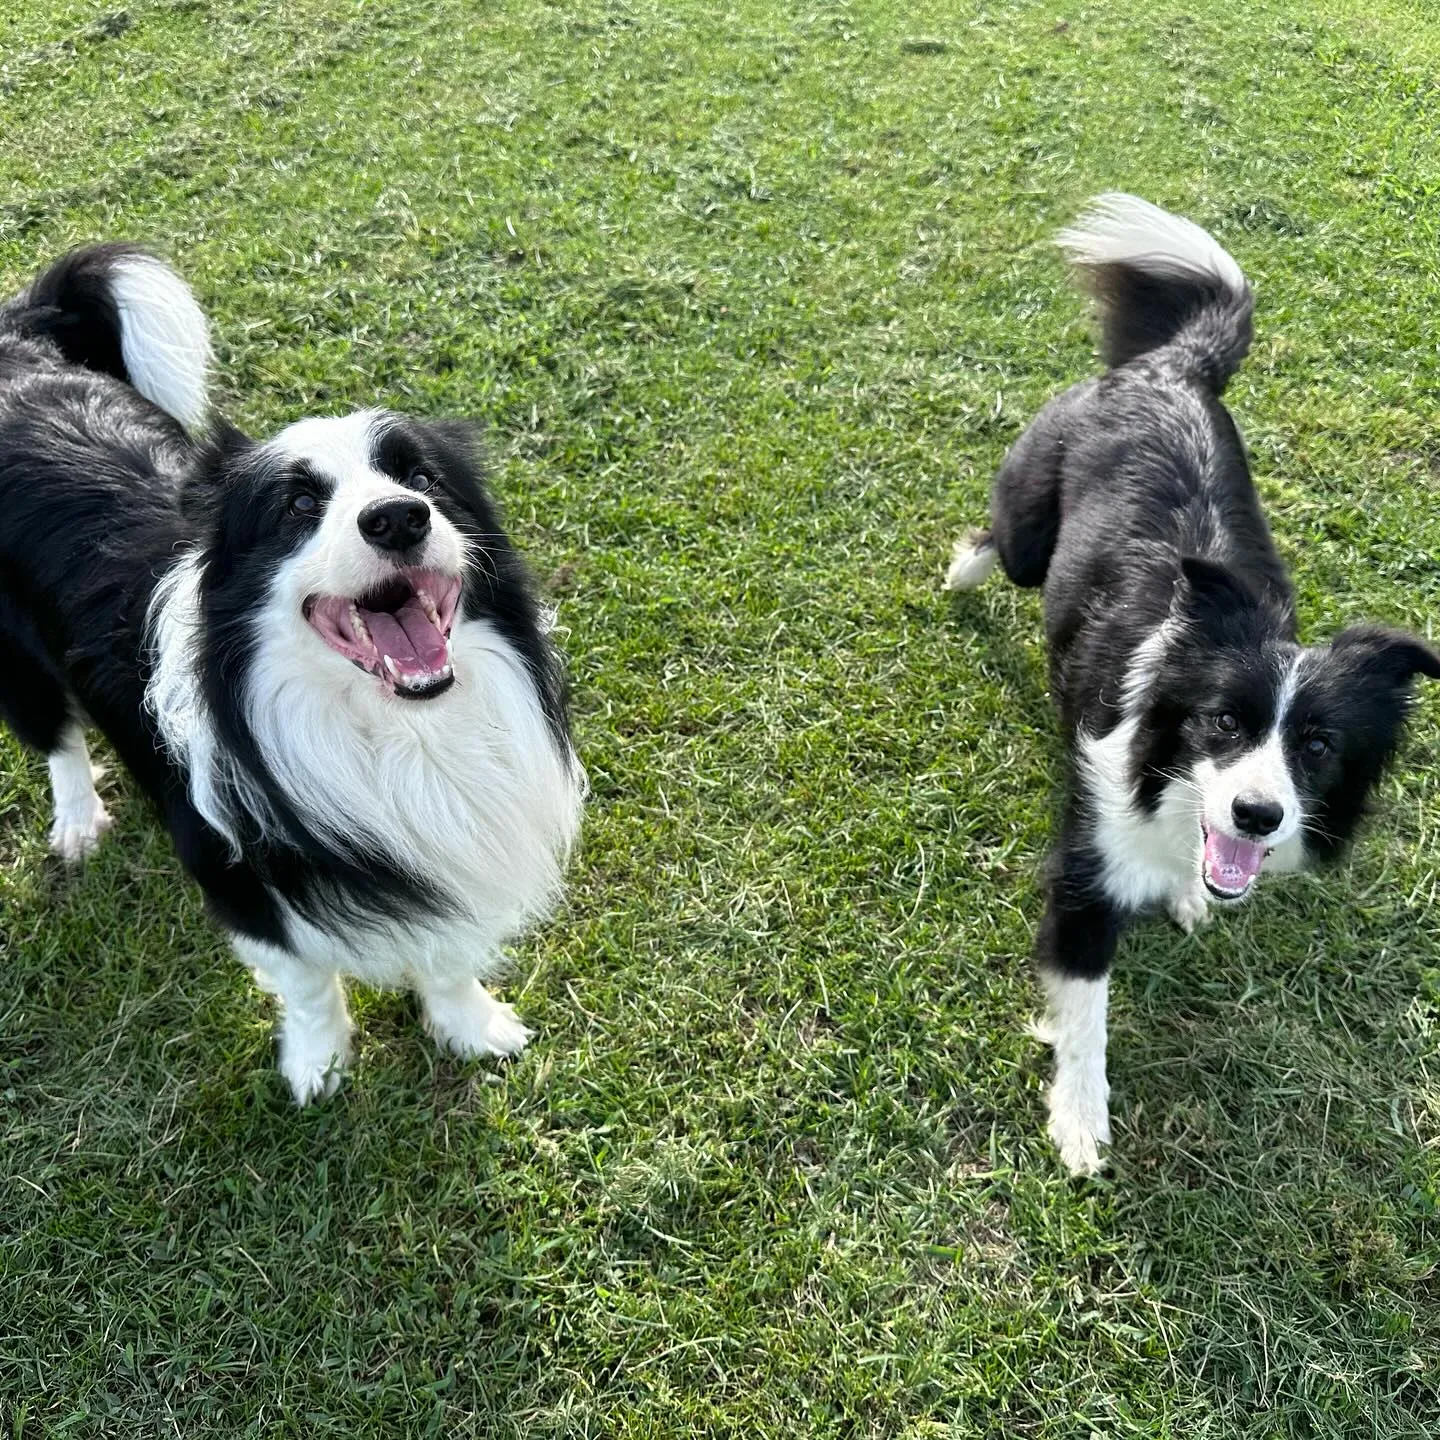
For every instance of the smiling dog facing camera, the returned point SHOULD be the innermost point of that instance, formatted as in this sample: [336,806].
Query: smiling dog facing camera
[1205,744]
[318,654]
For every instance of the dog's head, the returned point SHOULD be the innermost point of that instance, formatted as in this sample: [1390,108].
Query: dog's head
[1278,745]
[356,538]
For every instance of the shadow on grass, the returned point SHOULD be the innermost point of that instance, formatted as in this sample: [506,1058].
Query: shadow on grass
[992,626]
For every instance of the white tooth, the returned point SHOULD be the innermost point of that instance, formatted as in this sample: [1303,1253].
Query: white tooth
[449,652]
[360,628]
[428,606]
[392,667]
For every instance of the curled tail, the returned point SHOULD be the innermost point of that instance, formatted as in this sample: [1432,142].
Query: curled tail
[1161,284]
[116,309]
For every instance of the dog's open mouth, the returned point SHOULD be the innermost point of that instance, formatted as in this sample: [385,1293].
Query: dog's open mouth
[1230,864]
[399,631]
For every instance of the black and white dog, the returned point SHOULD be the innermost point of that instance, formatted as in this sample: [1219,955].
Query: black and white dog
[1205,743]
[318,655]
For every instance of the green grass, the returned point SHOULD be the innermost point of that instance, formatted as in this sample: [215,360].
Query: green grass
[752,298]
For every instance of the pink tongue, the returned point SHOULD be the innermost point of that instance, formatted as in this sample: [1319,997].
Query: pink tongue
[1230,863]
[408,638]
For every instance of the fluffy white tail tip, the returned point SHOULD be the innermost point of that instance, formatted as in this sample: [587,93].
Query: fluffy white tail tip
[163,337]
[1120,229]
[972,561]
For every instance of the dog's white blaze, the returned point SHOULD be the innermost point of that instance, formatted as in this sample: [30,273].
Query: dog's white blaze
[164,338]
[1119,228]
[337,560]
[338,445]
[1079,1097]
[1262,772]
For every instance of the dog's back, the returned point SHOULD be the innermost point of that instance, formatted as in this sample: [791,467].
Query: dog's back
[1122,475]
[103,364]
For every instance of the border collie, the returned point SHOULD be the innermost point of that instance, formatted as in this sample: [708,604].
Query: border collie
[318,655]
[1205,744]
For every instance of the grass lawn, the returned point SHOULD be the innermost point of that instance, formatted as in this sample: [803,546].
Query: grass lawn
[752,298]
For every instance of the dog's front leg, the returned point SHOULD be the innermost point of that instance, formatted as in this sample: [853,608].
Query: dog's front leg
[1074,948]
[464,1017]
[1189,907]
[314,1021]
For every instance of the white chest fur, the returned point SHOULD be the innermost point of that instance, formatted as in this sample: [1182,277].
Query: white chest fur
[469,791]
[1150,858]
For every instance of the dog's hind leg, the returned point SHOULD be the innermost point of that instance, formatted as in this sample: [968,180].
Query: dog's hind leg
[1024,510]
[466,1018]
[80,815]
[35,705]
[1025,501]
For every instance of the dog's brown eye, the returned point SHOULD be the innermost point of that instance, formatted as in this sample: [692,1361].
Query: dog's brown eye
[421,480]
[1316,747]
[303,504]
[1227,723]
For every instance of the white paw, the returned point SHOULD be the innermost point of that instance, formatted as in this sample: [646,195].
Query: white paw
[505,1035]
[469,1021]
[1190,910]
[77,835]
[1080,1122]
[313,1060]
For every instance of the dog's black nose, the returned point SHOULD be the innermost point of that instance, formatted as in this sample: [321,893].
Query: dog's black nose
[395,524]
[1255,815]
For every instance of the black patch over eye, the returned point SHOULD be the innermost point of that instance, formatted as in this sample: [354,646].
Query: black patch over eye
[304,503]
[1226,723]
[420,479]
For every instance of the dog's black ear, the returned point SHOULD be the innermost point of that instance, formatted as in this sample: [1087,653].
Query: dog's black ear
[228,439]
[223,446]
[1386,656]
[217,460]
[459,437]
[1214,587]
[1213,595]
